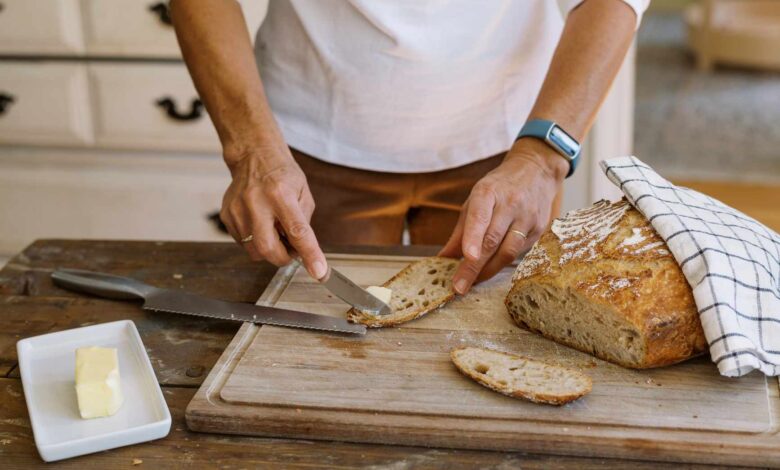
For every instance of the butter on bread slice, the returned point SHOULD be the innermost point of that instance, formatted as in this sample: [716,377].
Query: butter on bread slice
[382,293]
[419,288]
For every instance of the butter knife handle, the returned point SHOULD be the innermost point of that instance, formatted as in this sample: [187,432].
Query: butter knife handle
[101,284]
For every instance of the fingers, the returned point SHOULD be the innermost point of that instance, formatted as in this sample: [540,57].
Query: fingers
[453,247]
[301,236]
[469,269]
[229,225]
[479,213]
[307,203]
[512,246]
[266,241]
[238,225]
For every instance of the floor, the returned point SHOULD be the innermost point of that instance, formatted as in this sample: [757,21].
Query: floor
[716,133]
[756,200]
[698,126]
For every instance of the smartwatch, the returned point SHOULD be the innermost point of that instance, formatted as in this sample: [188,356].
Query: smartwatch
[554,136]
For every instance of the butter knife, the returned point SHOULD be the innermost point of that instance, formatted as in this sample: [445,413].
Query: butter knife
[340,286]
[168,300]
[353,294]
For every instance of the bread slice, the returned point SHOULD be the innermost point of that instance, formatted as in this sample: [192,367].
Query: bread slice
[601,280]
[419,288]
[520,377]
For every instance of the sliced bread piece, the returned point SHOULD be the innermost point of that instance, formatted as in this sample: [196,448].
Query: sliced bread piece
[419,288]
[520,377]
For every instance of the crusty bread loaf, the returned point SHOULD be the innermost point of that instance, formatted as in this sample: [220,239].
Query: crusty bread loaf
[520,377]
[601,280]
[419,288]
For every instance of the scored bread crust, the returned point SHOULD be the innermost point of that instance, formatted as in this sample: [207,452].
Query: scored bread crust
[582,383]
[603,270]
[407,302]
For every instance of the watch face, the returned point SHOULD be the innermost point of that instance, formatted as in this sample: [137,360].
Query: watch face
[564,141]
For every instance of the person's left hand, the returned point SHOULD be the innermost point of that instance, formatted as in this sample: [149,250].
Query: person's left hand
[513,199]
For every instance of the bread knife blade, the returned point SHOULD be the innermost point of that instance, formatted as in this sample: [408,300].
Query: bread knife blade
[175,301]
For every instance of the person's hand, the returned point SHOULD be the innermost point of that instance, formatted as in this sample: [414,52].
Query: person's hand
[268,196]
[511,201]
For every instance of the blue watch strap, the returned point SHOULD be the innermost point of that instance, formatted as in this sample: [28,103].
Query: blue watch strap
[554,136]
[536,128]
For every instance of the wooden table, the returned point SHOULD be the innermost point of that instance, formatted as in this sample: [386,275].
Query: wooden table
[182,350]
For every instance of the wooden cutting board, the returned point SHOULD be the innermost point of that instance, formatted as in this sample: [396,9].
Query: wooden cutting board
[398,386]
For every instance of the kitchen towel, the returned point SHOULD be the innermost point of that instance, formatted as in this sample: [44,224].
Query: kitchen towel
[731,261]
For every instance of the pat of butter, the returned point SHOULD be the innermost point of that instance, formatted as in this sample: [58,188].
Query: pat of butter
[97,382]
[382,293]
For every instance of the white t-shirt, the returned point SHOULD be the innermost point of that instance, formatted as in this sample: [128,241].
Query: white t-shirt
[407,85]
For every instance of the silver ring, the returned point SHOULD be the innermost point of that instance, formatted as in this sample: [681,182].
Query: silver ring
[521,233]
[248,238]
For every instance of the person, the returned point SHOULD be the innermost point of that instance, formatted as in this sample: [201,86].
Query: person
[394,114]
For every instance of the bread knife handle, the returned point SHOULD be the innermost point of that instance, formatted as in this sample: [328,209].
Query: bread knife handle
[101,284]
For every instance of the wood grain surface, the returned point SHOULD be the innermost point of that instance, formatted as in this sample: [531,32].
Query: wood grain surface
[398,386]
[185,449]
[30,305]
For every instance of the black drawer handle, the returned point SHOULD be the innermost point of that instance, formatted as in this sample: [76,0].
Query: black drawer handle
[195,113]
[5,101]
[163,11]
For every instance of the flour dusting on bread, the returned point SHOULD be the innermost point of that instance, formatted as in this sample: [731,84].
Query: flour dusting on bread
[536,261]
[603,281]
[643,239]
[582,230]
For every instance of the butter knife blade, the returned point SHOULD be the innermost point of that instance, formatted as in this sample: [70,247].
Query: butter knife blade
[351,293]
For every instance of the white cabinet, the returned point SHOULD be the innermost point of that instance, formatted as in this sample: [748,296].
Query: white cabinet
[44,103]
[40,27]
[151,106]
[129,27]
[107,28]
[141,27]
[72,193]
[98,134]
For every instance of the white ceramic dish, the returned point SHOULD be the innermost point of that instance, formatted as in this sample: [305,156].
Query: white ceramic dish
[47,364]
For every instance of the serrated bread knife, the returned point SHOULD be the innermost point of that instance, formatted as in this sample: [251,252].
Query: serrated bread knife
[175,301]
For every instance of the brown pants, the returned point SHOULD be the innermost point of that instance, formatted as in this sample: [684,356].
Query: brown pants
[359,207]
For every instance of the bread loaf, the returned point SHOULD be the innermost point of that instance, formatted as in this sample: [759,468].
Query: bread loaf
[520,377]
[601,280]
[419,288]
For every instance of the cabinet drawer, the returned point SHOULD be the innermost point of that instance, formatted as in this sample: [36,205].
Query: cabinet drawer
[142,27]
[40,26]
[44,103]
[84,193]
[149,106]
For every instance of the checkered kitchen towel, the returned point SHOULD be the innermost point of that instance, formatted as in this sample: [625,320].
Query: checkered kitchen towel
[731,261]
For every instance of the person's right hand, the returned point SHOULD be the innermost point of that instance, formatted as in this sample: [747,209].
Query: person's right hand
[265,198]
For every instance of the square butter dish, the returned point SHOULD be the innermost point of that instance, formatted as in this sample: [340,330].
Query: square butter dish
[47,364]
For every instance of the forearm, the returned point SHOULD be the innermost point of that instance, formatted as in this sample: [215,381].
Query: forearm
[591,49]
[218,52]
